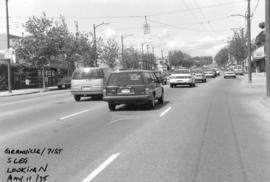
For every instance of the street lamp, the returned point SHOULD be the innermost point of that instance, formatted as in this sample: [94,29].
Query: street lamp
[122,42]
[95,42]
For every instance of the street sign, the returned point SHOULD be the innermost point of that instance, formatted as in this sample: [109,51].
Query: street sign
[9,54]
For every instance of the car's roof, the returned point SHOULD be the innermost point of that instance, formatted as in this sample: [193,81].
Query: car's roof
[132,71]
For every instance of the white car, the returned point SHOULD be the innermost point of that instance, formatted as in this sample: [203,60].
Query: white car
[210,74]
[182,77]
[229,74]
[200,77]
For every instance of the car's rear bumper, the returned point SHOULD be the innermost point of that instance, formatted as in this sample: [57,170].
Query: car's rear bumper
[181,82]
[229,76]
[127,99]
[87,93]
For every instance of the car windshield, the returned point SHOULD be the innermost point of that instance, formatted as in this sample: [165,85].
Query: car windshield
[181,72]
[124,79]
[87,74]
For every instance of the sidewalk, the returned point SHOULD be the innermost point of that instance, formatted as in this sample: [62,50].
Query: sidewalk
[258,80]
[26,91]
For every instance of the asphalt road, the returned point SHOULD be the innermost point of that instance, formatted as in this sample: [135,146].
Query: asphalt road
[215,132]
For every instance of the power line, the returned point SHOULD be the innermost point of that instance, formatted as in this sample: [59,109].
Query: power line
[258,1]
[137,16]
[210,26]
[189,9]
[182,28]
[191,12]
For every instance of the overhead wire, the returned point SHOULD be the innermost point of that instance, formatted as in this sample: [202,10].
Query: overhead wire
[193,14]
[210,26]
[258,1]
[182,28]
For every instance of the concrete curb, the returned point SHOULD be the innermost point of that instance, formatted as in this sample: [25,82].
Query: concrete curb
[29,92]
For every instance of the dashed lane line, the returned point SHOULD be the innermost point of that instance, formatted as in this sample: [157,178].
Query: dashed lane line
[100,168]
[75,114]
[164,112]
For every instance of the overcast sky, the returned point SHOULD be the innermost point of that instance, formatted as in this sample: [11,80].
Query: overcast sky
[197,27]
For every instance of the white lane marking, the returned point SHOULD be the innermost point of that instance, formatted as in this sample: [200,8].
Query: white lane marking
[94,173]
[164,112]
[77,113]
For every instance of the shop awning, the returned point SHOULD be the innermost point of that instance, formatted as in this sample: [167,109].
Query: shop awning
[258,53]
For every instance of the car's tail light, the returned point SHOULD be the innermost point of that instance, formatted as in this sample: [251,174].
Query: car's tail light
[146,90]
[104,91]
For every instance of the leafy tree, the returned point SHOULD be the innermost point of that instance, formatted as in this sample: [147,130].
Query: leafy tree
[148,61]
[132,58]
[110,53]
[238,47]
[175,57]
[222,57]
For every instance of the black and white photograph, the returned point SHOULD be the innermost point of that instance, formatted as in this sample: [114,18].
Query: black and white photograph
[134,91]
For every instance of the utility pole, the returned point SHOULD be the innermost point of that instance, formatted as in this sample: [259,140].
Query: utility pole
[95,46]
[249,43]
[122,53]
[95,41]
[8,46]
[147,60]
[142,66]
[267,44]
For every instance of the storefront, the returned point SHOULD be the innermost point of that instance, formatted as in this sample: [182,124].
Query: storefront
[25,76]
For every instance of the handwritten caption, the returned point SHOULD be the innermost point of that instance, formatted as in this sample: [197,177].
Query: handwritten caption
[19,168]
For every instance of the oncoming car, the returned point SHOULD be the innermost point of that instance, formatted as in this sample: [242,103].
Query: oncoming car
[133,87]
[229,74]
[64,83]
[182,77]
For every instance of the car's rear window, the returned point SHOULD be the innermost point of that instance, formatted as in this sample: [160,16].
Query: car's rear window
[124,79]
[181,72]
[87,74]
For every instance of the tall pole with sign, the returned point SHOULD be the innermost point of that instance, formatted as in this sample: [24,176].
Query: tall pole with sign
[267,44]
[8,60]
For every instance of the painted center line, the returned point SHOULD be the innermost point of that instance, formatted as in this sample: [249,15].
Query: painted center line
[75,114]
[94,173]
[164,112]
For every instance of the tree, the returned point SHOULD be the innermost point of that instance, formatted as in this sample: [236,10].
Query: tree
[222,57]
[238,47]
[110,53]
[176,57]
[132,58]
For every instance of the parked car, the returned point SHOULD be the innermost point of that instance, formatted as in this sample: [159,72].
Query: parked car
[182,77]
[133,87]
[64,83]
[238,69]
[229,74]
[200,77]
[88,82]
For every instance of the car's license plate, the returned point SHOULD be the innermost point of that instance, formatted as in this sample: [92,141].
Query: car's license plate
[125,91]
[86,88]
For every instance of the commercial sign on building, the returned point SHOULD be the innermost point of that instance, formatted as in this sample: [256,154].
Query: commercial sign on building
[259,53]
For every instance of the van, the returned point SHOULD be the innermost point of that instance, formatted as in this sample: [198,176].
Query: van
[88,82]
